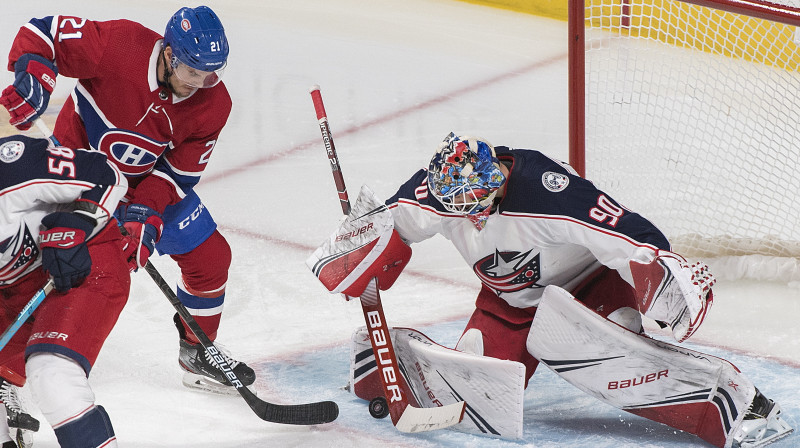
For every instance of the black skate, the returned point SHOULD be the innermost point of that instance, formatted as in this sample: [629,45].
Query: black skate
[21,425]
[202,373]
[762,425]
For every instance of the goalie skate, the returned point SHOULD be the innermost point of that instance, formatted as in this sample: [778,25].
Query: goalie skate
[201,373]
[762,425]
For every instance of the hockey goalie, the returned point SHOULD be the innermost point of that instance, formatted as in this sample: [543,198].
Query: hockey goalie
[567,274]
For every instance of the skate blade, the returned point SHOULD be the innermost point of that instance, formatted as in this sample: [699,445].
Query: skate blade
[206,384]
[22,437]
[782,431]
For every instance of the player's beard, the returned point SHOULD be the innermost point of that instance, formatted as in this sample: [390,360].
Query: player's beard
[172,83]
[180,90]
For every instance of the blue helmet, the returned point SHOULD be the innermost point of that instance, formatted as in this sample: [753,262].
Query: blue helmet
[464,174]
[197,39]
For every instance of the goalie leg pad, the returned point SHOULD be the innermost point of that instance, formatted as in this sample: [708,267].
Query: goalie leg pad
[438,376]
[682,388]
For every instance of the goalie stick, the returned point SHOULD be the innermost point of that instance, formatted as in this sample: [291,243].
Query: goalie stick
[405,417]
[289,414]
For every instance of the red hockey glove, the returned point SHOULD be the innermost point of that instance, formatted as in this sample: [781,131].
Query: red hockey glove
[672,291]
[27,98]
[144,226]
[64,253]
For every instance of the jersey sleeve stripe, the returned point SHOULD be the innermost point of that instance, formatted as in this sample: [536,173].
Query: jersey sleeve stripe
[44,35]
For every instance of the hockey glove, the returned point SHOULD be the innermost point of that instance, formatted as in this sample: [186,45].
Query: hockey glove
[144,226]
[672,291]
[27,98]
[64,253]
[365,246]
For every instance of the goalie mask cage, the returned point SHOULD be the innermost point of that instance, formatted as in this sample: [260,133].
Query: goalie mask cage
[689,113]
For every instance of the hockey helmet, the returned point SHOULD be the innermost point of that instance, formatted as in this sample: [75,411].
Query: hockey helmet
[464,174]
[199,46]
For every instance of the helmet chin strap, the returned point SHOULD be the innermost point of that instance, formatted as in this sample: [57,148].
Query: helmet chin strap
[167,73]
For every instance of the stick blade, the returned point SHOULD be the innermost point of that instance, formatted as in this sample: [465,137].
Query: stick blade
[291,414]
[429,419]
[299,414]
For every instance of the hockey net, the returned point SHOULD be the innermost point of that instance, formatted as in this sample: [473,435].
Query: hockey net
[688,112]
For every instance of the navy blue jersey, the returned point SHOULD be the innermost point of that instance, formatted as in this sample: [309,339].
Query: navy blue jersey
[36,180]
[550,227]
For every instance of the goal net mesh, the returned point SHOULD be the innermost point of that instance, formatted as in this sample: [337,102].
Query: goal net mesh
[692,118]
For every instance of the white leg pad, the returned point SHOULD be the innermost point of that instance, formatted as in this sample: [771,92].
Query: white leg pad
[59,387]
[439,376]
[685,389]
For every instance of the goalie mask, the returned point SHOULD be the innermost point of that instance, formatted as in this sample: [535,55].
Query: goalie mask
[464,174]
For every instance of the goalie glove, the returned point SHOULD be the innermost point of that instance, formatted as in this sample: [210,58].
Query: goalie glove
[365,246]
[671,291]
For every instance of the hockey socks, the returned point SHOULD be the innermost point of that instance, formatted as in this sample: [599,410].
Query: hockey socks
[92,429]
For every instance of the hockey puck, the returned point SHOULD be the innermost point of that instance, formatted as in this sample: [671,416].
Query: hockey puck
[378,407]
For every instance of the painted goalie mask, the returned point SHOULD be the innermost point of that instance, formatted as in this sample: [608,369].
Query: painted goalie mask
[464,175]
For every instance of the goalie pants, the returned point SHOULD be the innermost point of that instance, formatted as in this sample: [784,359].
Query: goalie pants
[505,328]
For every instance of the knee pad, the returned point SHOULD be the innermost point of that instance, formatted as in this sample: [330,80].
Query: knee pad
[471,342]
[628,318]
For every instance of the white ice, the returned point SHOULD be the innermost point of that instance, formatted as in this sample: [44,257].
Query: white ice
[396,77]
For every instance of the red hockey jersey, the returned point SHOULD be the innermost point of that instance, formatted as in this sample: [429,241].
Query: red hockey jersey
[161,142]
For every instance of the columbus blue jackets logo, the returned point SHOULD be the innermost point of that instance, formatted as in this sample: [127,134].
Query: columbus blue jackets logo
[11,151]
[133,154]
[555,182]
[23,252]
[509,271]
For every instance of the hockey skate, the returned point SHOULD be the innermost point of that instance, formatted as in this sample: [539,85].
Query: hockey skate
[762,425]
[21,425]
[202,373]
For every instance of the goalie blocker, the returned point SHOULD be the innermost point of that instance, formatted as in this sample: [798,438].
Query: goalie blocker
[365,246]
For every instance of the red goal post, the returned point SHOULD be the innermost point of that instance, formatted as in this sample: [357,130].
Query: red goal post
[689,113]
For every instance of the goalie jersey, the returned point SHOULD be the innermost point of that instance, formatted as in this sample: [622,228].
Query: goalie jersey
[552,227]
[119,108]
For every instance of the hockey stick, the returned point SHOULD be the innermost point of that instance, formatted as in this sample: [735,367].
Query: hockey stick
[37,298]
[296,414]
[405,417]
[26,312]
[293,414]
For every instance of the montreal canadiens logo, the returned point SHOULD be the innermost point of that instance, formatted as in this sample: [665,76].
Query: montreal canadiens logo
[186,25]
[509,271]
[11,151]
[555,182]
[133,154]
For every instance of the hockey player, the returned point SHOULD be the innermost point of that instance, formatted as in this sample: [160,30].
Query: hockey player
[535,233]
[57,205]
[156,107]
